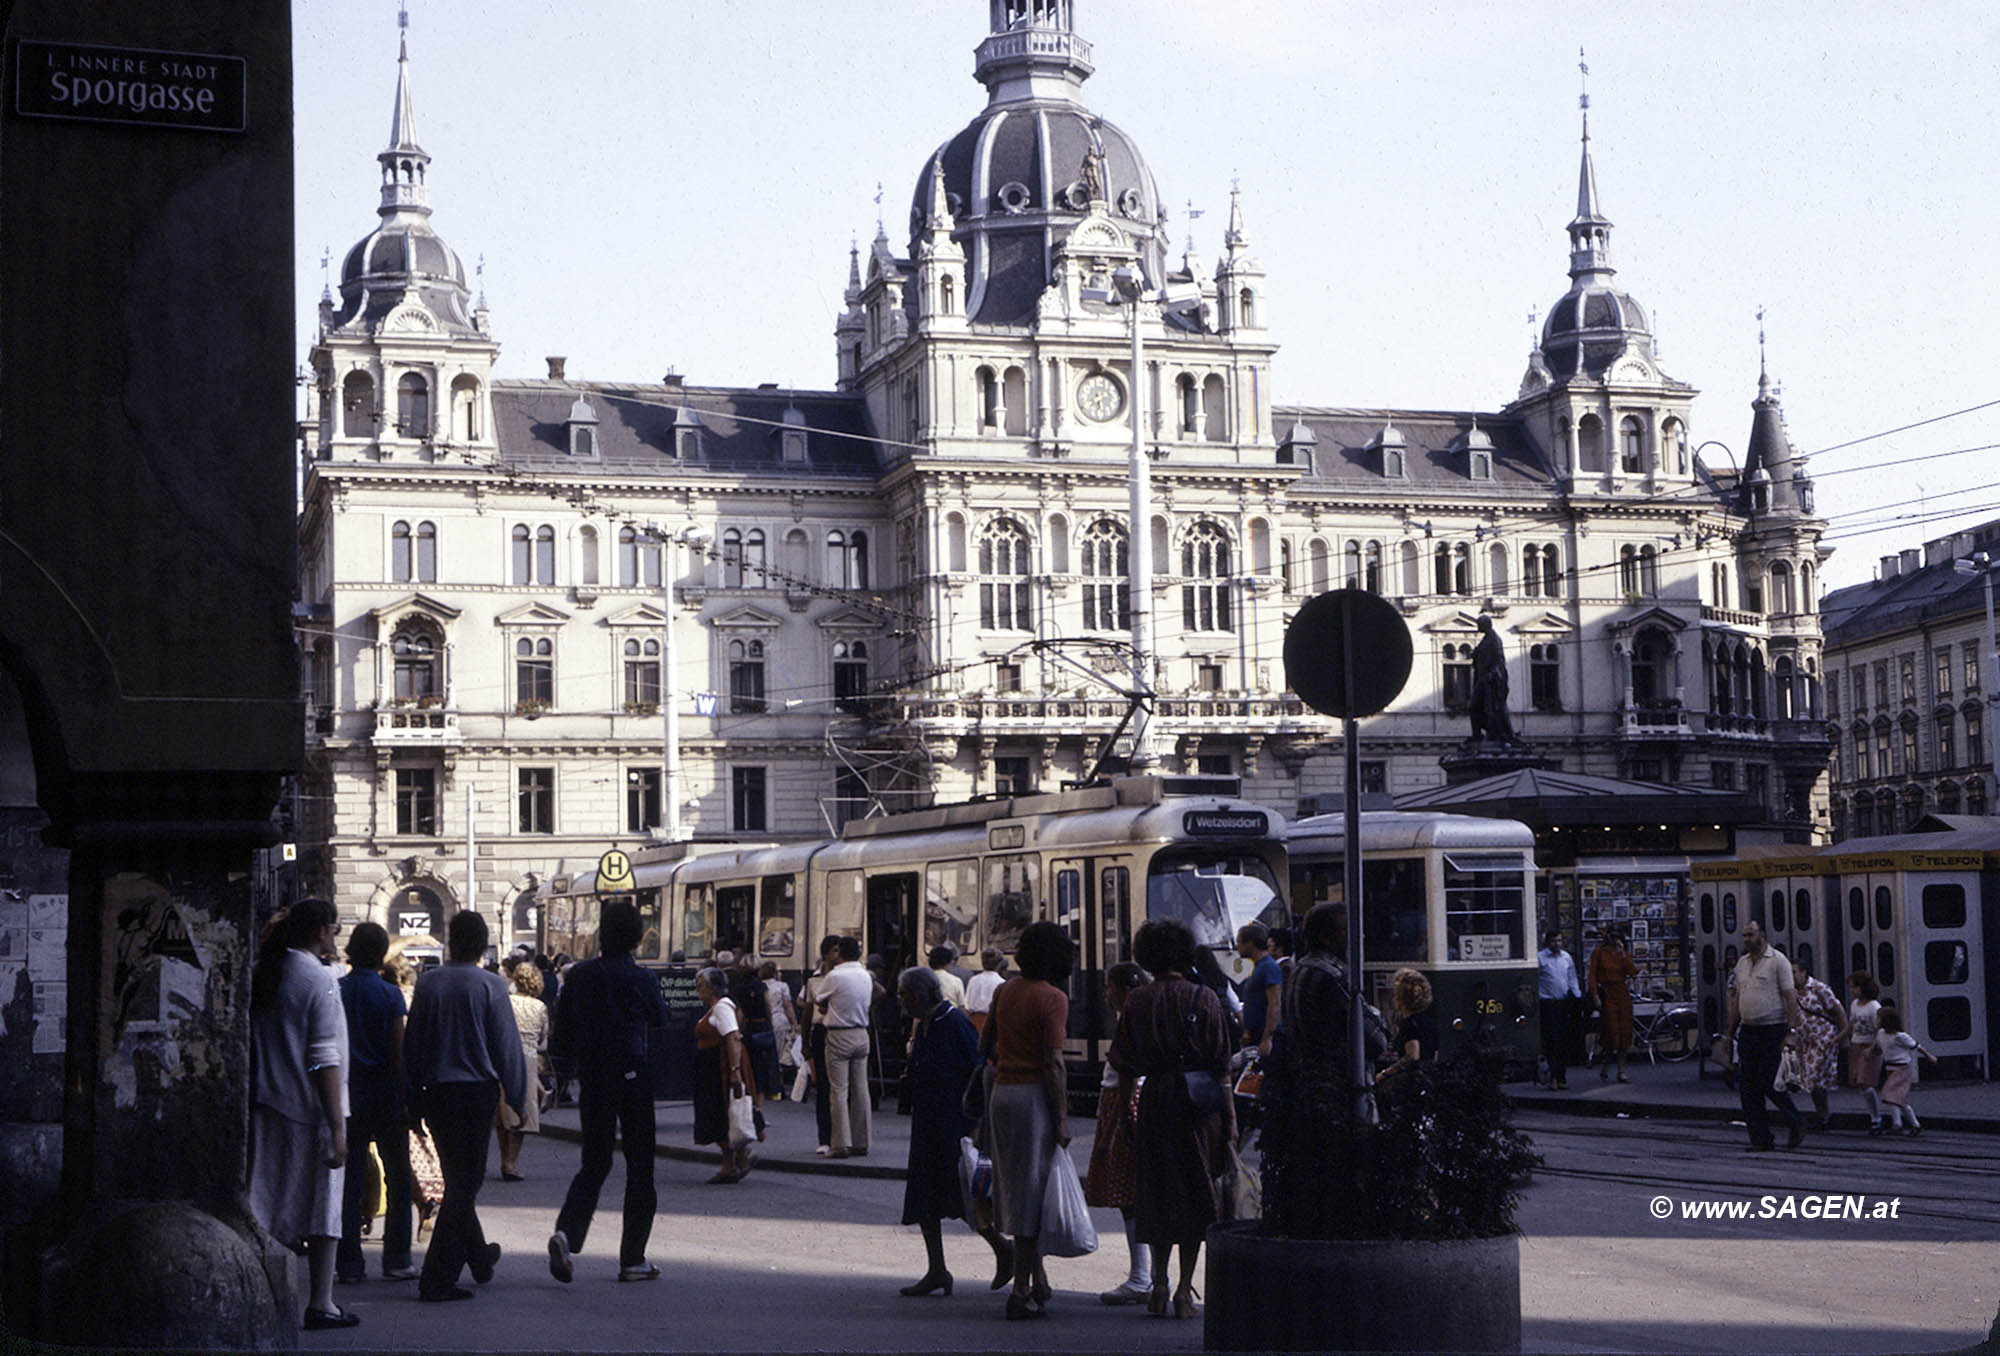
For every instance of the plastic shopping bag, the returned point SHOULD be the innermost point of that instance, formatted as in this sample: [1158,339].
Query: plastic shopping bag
[742,1121]
[1238,1190]
[975,1178]
[1066,1228]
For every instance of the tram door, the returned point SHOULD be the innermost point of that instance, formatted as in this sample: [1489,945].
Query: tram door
[1091,899]
[1945,962]
[890,927]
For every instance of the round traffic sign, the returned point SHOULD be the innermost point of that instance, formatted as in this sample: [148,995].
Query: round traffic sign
[614,871]
[1353,622]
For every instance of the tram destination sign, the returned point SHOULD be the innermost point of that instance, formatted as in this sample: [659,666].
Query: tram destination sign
[1225,823]
[81,83]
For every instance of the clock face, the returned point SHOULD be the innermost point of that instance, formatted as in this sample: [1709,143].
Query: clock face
[1099,397]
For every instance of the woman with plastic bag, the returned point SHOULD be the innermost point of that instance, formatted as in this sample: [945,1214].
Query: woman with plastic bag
[723,1081]
[1174,1035]
[943,1057]
[1027,1112]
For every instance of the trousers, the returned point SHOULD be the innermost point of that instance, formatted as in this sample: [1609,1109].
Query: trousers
[1758,1050]
[847,1091]
[460,1118]
[391,1138]
[614,1103]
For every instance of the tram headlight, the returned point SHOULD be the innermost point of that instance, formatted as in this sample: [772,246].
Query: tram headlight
[1521,1021]
[1458,1024]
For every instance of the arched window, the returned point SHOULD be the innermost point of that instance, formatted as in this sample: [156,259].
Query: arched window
[1004,562]
[1015,389]
[989,401]
[400,553]
[642,676]
[1718,579]
[1412,569]
[465,409]
[1628,571]
[1783,681]
[954,544]
[847,559]
[1674,436]
[1441,568]
[1590,443]
[1531,570]
[1631,445]
[857,552]
[1214,411]
[947,295]
[1649,571]
[1650,659]
[534,672]
[427,553]
[754,574]
[1782,600]
[524,555]
[850,674]
[1107,577]
[413,406]
[1551,572]
[414,647]
[1205,597]
[357,405]
[1371,566]
[1246,307]
[586,555]
[545,554]
[1190,403]
[1320,559]
[1457,677]
[1285,574]
[638,559]
[1496,567]
[1807,603]
[732,558]
[1352,577]
[746,677]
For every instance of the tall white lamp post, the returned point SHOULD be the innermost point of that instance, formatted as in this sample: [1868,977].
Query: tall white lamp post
[1131,286]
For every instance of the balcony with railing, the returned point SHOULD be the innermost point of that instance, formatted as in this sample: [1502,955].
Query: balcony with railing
[999,712]
[420,720]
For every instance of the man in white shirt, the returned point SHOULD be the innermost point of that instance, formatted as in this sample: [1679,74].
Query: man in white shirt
[979,990]
[846,996]
[1763,1010]
[1560,996]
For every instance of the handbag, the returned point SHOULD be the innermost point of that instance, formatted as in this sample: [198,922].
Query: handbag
[742,1120]
[1204,1091]
[1237,1190]
[1066,1230]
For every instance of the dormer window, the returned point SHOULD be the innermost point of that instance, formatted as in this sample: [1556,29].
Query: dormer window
[686,436]
[1480,466]
[1393,447]
[582,424]
[792,439]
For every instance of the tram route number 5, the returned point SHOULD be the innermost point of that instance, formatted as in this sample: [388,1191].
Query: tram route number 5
[614,872]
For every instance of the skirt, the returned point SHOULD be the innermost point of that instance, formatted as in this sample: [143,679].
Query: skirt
[293,1194]
[1111,1173]
[1897,1080]
[1022,1141]
[1864,1065]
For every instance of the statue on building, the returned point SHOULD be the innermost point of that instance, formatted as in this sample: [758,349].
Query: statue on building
[1489,687]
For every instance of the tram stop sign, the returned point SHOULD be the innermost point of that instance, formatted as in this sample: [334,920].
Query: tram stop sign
[614,872]
[1356,623]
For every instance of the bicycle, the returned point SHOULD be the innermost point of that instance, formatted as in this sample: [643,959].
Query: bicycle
[1673,1033]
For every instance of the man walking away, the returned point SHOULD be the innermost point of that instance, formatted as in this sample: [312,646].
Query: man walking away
[1763,1009]
[846,996]
[1559,997]
[375,1020]
[607,1007]
[463,1053]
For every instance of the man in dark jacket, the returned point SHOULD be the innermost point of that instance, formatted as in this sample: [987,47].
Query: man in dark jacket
[608,1005]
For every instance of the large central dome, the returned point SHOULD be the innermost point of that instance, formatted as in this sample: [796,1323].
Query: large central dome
[1018,177]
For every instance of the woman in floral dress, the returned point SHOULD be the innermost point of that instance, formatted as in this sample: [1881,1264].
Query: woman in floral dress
[1821,1018]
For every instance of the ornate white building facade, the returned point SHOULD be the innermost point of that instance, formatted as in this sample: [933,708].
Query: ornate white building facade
[916,584]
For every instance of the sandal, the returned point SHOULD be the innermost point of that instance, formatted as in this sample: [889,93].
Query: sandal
[318,1319]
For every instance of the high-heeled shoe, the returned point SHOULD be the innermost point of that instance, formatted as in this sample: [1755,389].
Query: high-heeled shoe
[1039,1291]
[1003,1268]
[1156,1302]
[1184,1302]
[932,1282]
[1020,1306]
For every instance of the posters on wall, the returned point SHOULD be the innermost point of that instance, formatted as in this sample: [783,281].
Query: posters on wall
[1649,908]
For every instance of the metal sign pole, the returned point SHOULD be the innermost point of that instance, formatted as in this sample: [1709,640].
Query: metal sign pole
[1357,1040]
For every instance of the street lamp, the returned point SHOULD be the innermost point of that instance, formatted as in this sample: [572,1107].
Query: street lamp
[1131,287]
[1982,566]
[670,756]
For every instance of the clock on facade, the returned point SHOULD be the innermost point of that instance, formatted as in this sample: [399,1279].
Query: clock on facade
[1099,396]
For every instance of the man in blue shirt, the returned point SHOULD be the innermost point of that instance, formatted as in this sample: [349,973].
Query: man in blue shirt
[1264,988]
[375,1014]
[608,1005]
[1560,998]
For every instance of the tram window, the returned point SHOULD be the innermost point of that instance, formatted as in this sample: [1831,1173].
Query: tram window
[696,937]
[1708,965]
[1857,958]
[1068,895]
[1011,886]
[1945,962]
[1708,913]
[1395,925]
[1778,911]
[1114,903]
[1944,906]
[733,907]
[951,905]
[1885,965]
[1802,910]
[1885,909]
[1728,913]
[845,897]
[777,924]
[648,903]
[1483,901]
[1857,914]
[1949,1019]
[1213,893]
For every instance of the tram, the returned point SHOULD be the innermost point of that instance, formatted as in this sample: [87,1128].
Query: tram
[1098,860]
[1919,911]
[1452,896]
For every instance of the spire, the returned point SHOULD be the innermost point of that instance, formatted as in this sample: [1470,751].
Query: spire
[940,217]
[1236,238]
[1590,233]
[853,272]
[1770,459]
[404,163]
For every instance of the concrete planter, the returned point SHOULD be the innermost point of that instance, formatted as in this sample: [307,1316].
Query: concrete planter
[1282,1294]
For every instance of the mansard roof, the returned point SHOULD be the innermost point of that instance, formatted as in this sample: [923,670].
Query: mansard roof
[1345,455]
[739,429]
[1899,602]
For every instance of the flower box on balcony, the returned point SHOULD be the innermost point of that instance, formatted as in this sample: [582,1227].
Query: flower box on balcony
[642,708]
[530,707]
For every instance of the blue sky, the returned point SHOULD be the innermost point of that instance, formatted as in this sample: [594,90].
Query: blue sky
[658,184]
